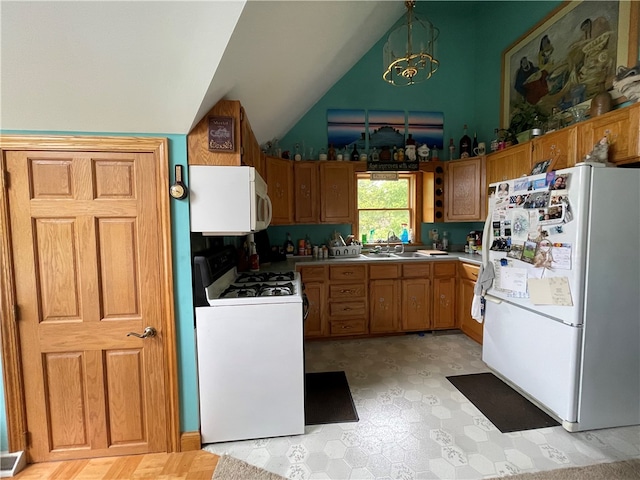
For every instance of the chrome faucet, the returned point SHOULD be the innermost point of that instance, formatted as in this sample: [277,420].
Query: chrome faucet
[397,248]
[390,234]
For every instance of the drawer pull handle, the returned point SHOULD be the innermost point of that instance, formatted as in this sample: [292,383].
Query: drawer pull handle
[346,327]
[347,290]
[348,273]
[346,309]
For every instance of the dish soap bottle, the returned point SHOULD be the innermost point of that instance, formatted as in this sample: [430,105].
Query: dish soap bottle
[404,235]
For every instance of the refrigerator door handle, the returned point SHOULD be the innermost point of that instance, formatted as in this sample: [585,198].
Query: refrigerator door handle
[489,298]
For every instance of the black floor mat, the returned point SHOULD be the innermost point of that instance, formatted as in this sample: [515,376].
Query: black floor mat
[502,405]
[328,399]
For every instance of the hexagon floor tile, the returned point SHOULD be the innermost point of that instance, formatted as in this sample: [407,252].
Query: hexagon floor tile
[415,424]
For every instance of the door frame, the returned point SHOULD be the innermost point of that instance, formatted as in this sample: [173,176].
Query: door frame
[11,363]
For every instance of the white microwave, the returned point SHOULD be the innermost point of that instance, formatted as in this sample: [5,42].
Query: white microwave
[228,200]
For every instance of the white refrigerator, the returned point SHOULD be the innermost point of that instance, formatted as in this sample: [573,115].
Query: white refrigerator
[562,318]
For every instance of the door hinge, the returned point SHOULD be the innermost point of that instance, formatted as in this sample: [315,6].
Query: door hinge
[6,180]
[27,438]
[16,312]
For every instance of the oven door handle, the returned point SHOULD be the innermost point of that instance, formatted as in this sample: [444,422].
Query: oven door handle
[305,306]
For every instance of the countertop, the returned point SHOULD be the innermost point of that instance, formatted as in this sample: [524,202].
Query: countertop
[291,262]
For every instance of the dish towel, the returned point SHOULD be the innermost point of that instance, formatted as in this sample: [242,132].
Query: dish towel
[485,279]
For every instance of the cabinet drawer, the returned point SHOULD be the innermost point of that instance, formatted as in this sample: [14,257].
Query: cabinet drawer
[418,269]
[388,270]
[348,327]
[347,291]
[442,269]
[469,271]
[312,274]
[347,309]
[347,272]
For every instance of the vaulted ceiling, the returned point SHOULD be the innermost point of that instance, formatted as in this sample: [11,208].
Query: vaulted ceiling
[158,67]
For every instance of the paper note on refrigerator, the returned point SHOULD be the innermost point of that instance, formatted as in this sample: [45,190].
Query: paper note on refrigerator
[514,279]
[550,291]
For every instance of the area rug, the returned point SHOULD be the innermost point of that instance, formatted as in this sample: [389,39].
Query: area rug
[229,468]
[624,470]
[328,399]
[502,405]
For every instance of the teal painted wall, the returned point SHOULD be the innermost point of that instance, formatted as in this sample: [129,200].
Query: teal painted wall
[183,299]
[466,88]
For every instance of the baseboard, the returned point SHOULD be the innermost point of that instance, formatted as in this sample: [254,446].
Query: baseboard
[190,441]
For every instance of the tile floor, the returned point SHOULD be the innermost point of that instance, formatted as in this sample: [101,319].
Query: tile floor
[415,425]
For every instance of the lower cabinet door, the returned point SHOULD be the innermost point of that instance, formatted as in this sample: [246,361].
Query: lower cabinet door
[416,304]
[383,306]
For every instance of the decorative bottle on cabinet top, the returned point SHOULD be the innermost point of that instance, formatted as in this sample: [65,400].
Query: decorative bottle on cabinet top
[465,144]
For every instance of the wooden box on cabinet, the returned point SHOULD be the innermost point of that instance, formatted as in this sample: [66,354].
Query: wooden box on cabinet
[622,128]
[560,146]
[444,295]
[247,149]
[337,192]
[280,189]
[306,186]
[467,276]
[465,190]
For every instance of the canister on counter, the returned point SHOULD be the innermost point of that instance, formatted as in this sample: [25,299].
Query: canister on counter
[315,251]
[325,251]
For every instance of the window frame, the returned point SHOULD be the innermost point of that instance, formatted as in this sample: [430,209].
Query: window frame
[414,202]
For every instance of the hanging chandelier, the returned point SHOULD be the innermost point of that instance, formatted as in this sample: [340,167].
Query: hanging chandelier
[409,54]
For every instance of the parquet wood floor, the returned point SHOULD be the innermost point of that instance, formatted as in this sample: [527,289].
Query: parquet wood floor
[193,465]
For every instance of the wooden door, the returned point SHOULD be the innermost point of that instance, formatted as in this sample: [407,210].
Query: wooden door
[467,324]
[465,190]
[280,189]
[383,295]
[337,196]
[315,324]
[559,146]
[416,304]
[87,254]
[306,192]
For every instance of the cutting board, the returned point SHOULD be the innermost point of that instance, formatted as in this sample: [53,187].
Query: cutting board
[432,252]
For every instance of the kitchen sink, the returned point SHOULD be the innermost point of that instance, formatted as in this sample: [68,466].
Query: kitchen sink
[408,255]
[377,255]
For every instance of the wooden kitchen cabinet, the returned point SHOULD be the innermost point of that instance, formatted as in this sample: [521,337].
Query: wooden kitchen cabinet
[465,190]
[559,146]
[512,162]
[622,128]
[313,279]
[444,295]
[246,151]
[306,191]
[416,297]
[337,192]
[347,302]
[280,189]
[467,276]
[384,297]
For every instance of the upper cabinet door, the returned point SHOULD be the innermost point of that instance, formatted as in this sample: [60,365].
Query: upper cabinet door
[465,190]
[337,204]
[306,192]
[509,163]
[280,189]
[560,147]
[621,127]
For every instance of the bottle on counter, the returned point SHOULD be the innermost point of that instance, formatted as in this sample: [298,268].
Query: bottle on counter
[289,247]
[375,156]
[297,156]
[445,240]
[404,234]
[434,153]
[254,259]
[465,144]
[474,144]
[332,153]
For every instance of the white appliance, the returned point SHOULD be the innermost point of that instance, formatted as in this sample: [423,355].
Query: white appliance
[228,200]
[249,338]
[563,327]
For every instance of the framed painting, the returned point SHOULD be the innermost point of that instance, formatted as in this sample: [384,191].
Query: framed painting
[221,134]
[564,60]
[386,128]
[426,128]
[345,126]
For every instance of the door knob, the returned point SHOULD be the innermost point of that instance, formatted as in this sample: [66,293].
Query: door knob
[148,332]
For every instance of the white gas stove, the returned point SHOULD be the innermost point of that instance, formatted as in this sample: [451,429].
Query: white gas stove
[249,337]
